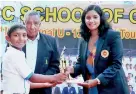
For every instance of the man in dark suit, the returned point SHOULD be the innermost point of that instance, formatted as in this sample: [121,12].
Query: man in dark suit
[41,50]
[69,89]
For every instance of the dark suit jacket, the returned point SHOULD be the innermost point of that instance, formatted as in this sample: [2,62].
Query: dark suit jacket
[108,70]
[47,62]
[70,91]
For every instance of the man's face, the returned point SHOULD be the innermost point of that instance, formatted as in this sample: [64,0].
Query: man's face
[32,25]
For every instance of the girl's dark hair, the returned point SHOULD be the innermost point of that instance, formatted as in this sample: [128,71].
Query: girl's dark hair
[103,27]
[14,28]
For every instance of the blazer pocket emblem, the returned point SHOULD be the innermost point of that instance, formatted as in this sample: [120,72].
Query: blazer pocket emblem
[104,53]
[46,61]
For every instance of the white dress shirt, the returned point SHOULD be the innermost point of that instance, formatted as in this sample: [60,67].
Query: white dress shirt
[31,52]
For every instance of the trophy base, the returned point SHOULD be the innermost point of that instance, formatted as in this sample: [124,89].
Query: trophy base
[75,81]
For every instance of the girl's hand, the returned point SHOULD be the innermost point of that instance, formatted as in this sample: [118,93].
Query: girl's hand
[49,84]
[89,83]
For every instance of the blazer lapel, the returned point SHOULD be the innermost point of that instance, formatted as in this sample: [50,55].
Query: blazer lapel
[84,49]
[40,48]
[98,50]
[99,47]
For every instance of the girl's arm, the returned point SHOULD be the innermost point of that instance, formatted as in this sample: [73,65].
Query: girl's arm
[41,85]
[38,78]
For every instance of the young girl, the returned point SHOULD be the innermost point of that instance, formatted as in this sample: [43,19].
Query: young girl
[15,71]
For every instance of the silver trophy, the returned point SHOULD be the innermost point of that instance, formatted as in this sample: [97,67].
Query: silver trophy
[63,64]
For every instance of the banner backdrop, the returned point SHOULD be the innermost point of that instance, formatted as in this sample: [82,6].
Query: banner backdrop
[62,19]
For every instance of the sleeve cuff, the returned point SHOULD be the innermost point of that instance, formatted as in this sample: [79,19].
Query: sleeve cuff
[29,76]
[102,79]
[98,81]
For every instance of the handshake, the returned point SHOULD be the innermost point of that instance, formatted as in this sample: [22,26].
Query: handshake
[42,81]
[64,76]
[53,80]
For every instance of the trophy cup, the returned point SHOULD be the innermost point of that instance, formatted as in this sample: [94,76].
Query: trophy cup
[62,66]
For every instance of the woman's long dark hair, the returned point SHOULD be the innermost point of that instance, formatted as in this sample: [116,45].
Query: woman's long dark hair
[103,27]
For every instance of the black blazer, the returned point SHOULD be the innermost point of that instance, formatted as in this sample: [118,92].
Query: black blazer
[109,69]
[47,61]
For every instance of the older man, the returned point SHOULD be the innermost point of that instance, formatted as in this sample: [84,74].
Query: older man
[41,50]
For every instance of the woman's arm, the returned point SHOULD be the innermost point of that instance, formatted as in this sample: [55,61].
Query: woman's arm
[116,54]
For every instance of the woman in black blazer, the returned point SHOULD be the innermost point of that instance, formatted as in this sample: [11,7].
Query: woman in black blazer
[100,56]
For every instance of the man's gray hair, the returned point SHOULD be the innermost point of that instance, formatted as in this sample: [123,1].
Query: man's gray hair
[31,13]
